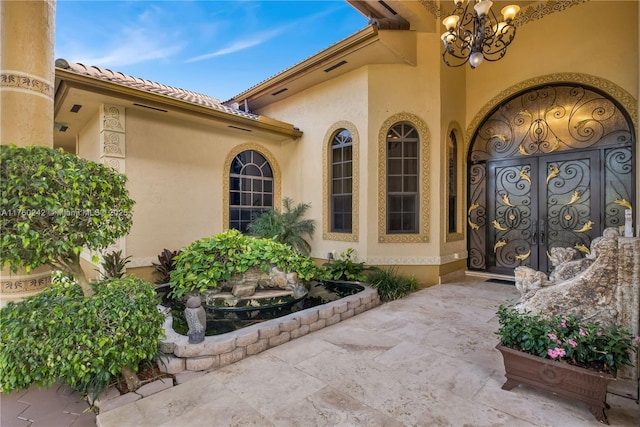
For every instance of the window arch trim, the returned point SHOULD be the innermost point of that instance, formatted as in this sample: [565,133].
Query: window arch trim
[460,202]
[424,183]
[275,170]
[355,185]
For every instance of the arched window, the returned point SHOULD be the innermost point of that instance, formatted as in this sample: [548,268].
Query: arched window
[341,182]
[250,188]
[403,162]
[452,184]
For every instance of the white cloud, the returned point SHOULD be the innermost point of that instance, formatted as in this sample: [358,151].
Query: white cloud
[140,41]
[239,45]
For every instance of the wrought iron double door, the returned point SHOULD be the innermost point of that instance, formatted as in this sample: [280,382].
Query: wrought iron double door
[535,204]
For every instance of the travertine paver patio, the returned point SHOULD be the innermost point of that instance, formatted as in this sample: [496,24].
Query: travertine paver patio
[425,360]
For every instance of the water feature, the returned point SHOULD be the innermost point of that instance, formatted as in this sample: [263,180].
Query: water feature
[263,305]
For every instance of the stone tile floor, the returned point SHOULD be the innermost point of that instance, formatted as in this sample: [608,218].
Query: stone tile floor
[58,406]
[425,360]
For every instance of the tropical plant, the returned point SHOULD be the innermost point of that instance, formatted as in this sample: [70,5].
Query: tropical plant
[286,227]
[586,344]
[54,204]
[205,262]
[61,335]
[390,284]
[344,267]
[114,264]
[164,266]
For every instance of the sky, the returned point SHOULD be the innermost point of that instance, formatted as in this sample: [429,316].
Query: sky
[218,48]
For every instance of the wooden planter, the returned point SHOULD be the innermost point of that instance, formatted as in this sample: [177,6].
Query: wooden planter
[562,379]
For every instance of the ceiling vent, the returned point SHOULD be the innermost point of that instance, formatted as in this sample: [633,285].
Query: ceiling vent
[236,127]
[60,127]
[151,108]
[76,108]
[278,92]
[333,67]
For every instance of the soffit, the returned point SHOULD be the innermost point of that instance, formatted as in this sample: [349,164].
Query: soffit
[94,87]
[366,47]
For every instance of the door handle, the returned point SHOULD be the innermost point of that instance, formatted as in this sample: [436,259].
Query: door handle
[534,233]
[542,231]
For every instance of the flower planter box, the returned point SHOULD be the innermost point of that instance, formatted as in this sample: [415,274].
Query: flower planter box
[560,378]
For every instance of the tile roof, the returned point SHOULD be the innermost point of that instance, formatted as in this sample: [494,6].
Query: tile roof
[151,87]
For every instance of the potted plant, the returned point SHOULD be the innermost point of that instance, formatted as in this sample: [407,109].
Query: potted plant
[564,355]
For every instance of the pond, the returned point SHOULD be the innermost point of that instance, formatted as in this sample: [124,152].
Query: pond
[222,319]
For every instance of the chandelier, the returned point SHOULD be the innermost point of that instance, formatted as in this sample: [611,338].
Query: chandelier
[474,33]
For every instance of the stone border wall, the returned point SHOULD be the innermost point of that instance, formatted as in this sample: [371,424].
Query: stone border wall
[220,350]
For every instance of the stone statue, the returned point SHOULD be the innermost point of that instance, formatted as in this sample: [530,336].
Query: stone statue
[196,319]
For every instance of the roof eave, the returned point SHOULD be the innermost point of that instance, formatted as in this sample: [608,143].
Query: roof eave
[96,85]
[366,35]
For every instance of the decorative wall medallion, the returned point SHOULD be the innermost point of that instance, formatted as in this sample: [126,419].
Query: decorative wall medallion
[113,118]
[113,144]
[17,80]
[117,164]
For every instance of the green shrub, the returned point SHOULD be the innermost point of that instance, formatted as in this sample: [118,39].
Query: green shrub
[54,204]
[345,268]
[114,264]
[390,284]
[205,262]
[286,227]
[62,335]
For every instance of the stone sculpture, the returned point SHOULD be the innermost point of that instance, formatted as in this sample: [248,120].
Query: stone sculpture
[196,319]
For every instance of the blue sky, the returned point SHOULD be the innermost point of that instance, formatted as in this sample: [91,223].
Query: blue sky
[216,47]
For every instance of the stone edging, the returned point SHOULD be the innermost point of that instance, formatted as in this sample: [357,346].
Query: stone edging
[220,350]
[188,361]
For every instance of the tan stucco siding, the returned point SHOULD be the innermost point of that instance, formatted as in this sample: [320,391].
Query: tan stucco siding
[175,171]
[580,39]
[88,139]
[314,111]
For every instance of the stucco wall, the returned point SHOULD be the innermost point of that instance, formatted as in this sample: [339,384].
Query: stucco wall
[314,111]
[599,38]
[175,171]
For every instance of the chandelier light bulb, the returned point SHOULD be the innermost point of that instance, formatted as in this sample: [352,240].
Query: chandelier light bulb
[510,12]
[475,59]
[482,7]
[450,22]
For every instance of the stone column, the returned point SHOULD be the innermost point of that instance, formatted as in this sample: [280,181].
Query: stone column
[27,80]
[27,73]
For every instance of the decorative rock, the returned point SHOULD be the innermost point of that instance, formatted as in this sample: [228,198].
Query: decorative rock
[243,289]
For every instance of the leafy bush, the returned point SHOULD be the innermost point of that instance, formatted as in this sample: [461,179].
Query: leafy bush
[390,284]
[114,264]
[345,268]
[62,335]
[205,262]
[565,338]
[164,266]
[286,227]
[54,204]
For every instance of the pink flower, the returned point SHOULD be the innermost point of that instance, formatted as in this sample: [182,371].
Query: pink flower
[582,333]
[559,342]
[563,324]
[552,336]
[572,343]
[637,338]
[556,352]
[598,333]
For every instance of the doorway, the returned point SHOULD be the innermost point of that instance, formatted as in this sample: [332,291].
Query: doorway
[552,167]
